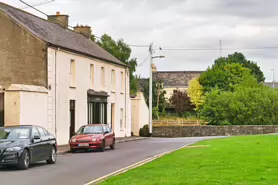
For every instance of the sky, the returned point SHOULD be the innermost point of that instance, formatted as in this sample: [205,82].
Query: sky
[179,24]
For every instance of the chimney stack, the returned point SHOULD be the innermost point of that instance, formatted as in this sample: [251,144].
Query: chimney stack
[62,20]
[84,30]
[154,69]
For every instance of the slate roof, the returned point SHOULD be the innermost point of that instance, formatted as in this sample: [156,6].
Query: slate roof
[56,35]
[171,78]
[270,84]
[176,78]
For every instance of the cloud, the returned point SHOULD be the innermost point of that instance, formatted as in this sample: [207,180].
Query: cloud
[240,24]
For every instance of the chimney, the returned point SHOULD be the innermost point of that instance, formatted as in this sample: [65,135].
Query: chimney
[84,30]
[154,69]
[62,20]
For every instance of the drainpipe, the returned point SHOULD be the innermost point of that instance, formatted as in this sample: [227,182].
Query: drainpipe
[125,101]
[56,91]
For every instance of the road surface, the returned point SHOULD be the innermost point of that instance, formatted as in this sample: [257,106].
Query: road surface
[81,168]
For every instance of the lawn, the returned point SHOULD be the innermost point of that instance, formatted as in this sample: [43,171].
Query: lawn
[243,160]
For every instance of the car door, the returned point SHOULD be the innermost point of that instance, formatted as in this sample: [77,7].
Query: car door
[35,146]
[106,136]
[44,152]
[109,136]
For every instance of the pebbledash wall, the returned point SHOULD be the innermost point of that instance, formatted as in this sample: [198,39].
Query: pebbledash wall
[199,131]
[60,92]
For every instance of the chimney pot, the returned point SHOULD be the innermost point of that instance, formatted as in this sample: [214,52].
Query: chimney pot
[57,13]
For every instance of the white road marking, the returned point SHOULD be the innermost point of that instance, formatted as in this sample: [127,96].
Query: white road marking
[140,163]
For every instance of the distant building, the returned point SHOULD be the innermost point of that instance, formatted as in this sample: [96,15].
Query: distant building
[172,81]
[270,84]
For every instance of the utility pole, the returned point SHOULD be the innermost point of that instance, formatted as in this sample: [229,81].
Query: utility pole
[273,82]
[220,48]
[151,92]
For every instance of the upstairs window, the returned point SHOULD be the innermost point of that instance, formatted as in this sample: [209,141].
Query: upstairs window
[72,73]
[102,77]
[92,75]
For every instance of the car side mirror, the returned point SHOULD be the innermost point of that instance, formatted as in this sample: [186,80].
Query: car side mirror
[106,132]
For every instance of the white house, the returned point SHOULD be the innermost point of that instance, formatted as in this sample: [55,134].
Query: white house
[63,79]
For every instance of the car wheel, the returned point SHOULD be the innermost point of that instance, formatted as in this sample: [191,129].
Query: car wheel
[52,156]
[102,149]
[73,150]
[113,145]
[24,160]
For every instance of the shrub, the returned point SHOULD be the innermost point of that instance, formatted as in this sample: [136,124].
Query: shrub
[144,132]
[155,113]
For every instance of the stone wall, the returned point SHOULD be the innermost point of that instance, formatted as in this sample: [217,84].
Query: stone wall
[198,131]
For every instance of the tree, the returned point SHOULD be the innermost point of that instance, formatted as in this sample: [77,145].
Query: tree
[195,92]
[181,101]
[239,58]
[122,52]
[224,77]
[247,105]
[158,99]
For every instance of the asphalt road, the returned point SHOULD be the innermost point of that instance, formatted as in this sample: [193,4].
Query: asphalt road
[81,168]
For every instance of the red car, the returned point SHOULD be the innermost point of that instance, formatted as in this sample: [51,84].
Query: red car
[96,136]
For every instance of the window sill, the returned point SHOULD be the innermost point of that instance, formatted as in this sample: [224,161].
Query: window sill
[72,87]
[113,91]
[122,92]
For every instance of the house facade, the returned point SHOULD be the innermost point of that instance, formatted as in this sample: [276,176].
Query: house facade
[83,84]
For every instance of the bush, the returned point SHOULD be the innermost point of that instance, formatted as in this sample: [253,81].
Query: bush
[144,132]
[155,113]
[247,105]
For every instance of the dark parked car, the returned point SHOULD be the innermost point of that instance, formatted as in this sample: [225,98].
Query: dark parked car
[23,145]
[95,136]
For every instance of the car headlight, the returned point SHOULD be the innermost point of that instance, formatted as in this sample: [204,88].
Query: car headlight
[94,139]
[73,140]
[13,149]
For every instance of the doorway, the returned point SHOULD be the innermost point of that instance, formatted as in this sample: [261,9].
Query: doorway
[72,118]
[113,116]
[1,109]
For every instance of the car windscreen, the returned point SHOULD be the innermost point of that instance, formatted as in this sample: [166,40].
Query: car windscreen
[14,133]
[90,130]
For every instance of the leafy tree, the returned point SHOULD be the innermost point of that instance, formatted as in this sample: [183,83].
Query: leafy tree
[247,105]
[181,101]
[224,77]
[195,92]
[121,51]
[239,58]
[156,102]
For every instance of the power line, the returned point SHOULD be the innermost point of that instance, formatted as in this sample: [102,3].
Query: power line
[41,3]
[144,61]
[216,49]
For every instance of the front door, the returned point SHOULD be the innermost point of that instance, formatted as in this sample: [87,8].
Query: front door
[72,118]
[1,109]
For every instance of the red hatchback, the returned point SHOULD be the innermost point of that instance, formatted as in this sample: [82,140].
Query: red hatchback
[94,136]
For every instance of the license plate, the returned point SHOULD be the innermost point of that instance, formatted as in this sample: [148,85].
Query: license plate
[83,144]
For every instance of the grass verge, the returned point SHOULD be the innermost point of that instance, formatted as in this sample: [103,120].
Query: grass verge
[244,160]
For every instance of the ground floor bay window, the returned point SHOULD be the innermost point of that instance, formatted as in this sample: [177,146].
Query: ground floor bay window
[97,107]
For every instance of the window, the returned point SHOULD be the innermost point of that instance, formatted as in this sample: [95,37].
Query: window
[113,79]
[105,129]
[41,131]
[121,119]
[92,75]
[14,133]
[102,77]
[122,82]
[72,73]
[108,128]
[35,132]
[90,130]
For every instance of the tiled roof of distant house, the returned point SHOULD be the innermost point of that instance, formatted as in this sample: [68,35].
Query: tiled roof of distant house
[270,84]
[176,78]
[56,35]
[171,78]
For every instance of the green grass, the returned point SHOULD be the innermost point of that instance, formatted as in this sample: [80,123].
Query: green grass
[241,160]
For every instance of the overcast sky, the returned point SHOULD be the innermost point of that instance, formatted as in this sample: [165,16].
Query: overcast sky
[240,24]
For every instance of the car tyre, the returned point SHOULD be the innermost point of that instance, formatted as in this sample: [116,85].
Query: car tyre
[102,149]
[52,156]
[73,150]
[24,160]
[113,145]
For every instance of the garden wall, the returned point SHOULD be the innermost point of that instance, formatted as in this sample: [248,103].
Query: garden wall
[198,131]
